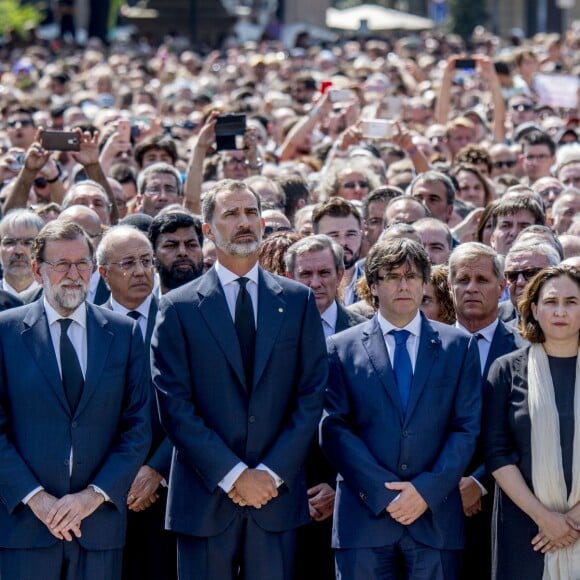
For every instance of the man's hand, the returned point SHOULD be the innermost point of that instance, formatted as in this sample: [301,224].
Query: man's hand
[143,492]
[70,510]
[408,506]
[321,501]
[41,503]
[254,487]
[89,148]
[470,496]
[36,156]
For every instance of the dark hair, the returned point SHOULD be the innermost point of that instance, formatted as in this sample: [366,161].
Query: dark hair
[295,189]
[124,173]
[381,193]
[170,222]
[470,168]
[155,142]
[511,205]
[224,186]
[538,138]
[56,231]
[392,254]
[334,207]
[436,177]
[529,327]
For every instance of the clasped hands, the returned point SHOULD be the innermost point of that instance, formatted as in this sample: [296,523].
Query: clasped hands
[254,488]
[408,506]
[63,517]
[556,531]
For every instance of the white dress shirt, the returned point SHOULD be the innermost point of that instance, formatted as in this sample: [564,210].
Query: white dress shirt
[414,328]
[231,289]
[11,290]
[142,309]
[329,317]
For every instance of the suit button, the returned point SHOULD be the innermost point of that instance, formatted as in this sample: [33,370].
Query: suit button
[362,495]
[66,461]
[252,419]
[403,466]
[405,433]
[74,424]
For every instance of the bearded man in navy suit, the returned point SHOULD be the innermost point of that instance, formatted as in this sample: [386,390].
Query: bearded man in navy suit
[240,366]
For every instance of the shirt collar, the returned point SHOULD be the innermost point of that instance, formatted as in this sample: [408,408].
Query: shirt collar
[330,314]
[79,315]
[142,309]
[486,332]
[33,285]
[226,276]
[414,327]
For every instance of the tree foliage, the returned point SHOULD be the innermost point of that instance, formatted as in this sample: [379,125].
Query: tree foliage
[13,16]
[465,15]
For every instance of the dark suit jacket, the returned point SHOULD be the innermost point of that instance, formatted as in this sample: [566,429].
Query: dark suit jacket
[506,339]
[211,417]
[369,441]
[346,319]
[159,456]
[109,431]
[8,301]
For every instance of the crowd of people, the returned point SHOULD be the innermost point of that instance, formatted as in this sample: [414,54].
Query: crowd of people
[180,234]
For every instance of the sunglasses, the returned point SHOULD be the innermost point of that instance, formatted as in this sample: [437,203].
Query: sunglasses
[21,122]
[271,229]
[40,182]
[353,184]
[513,275]
[500,164]
[522,107]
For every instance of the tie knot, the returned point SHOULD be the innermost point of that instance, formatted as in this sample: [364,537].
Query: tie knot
[133,314]
[242,281]
[64,324]
[478,336]
[401,336]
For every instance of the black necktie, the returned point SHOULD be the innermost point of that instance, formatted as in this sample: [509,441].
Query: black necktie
[246,329]
[133,314]
[72,375]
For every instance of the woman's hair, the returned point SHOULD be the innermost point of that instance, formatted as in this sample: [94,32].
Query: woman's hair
[489,194]
[439,280]
[529,327]
[273,249]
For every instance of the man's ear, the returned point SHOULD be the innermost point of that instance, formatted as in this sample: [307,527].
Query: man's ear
[207,233]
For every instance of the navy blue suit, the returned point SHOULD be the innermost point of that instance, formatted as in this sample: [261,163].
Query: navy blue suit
[150,551]
[215,420]
[370,441]
[477,555]
[109,432]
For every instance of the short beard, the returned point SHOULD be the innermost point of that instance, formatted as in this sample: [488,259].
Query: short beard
[64,299]
[349,263]
[172,277]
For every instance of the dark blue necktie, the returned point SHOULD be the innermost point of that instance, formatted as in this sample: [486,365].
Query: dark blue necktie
[72,375]
[246,329]
[402,366]
[134,314]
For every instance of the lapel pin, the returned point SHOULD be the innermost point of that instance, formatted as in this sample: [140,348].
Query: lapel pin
[280,310]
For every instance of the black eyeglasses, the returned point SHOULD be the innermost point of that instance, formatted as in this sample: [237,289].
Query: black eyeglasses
[353,184]
[528,273]
[500,164]
[21,122]
[40,182]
